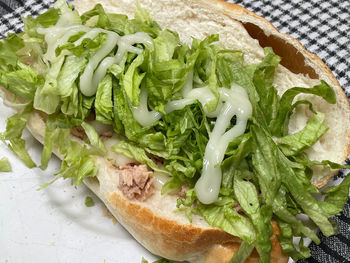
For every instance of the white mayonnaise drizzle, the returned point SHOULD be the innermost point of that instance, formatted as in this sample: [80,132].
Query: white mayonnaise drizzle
[141,113]
[232,102]
[236,104]
[98,64]
[125,44]
[88,80]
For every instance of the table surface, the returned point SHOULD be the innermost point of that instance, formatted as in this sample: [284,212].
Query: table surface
[62,229]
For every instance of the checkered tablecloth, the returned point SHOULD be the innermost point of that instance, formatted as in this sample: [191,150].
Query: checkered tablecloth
[322,26]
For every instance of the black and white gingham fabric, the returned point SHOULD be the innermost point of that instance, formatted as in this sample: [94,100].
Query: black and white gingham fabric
[322,26]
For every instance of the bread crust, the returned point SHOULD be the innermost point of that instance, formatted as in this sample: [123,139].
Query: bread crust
[169,238]
[184,242]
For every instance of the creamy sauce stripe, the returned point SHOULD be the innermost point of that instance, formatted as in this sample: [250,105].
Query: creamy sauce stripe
[96,69]
[232,102]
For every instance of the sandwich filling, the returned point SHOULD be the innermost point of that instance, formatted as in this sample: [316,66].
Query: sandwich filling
[195,120]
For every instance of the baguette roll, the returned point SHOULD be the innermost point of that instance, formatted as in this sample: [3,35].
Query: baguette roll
[153,222]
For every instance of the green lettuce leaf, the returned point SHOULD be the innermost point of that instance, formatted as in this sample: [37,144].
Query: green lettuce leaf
[205,68]
[8,48]
[265,164]
[221,214]
[103,19]
[137,153]
[13,133]
[279,126]
[307,202]
[5,165]
[247,196]
[46,97]
[285,239]
[242,253]
[94,139]
[163,260]
[142,23]
[103,102]
[51,136]
[294,144]
[89,202]
[123,115]
[22,81]
[280,209]
[68,75]
[47,19]
[132,80]
[337,195]
[18,146]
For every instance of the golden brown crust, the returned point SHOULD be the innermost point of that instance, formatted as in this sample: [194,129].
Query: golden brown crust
[180,242]
[170,236]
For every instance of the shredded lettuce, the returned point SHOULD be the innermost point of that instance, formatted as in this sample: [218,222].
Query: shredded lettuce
[136,153]
[242,253]
[222,214]
[13,133]
[104,101]
[89,202]
[5,165]
[294,144]
[94,139]
[260,215]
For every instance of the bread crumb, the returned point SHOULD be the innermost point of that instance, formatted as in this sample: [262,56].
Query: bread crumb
[106,213]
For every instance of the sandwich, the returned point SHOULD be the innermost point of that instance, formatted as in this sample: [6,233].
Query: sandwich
[204,130]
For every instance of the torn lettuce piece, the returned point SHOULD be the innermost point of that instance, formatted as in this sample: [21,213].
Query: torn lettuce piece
[22,81]
[242,253]
[104,102]
[296,143]
[132,80]
[78,162]
[221,214]
[265,164]
[52,135]
[279,126]
[260,215]
[304,198]
[103,19]
[337,195]
[286,242]
[280,209]
[89,202]
[94,139]
[13,133]
[18,146]
[5,165]
[163,260]
[68,74]
[137,153]
[186,204]
[47,96]
[8,48]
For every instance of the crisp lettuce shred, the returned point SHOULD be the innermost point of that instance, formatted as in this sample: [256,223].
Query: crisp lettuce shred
[266,173]
[5,165]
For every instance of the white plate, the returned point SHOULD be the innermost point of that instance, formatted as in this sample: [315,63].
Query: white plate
[54,225]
